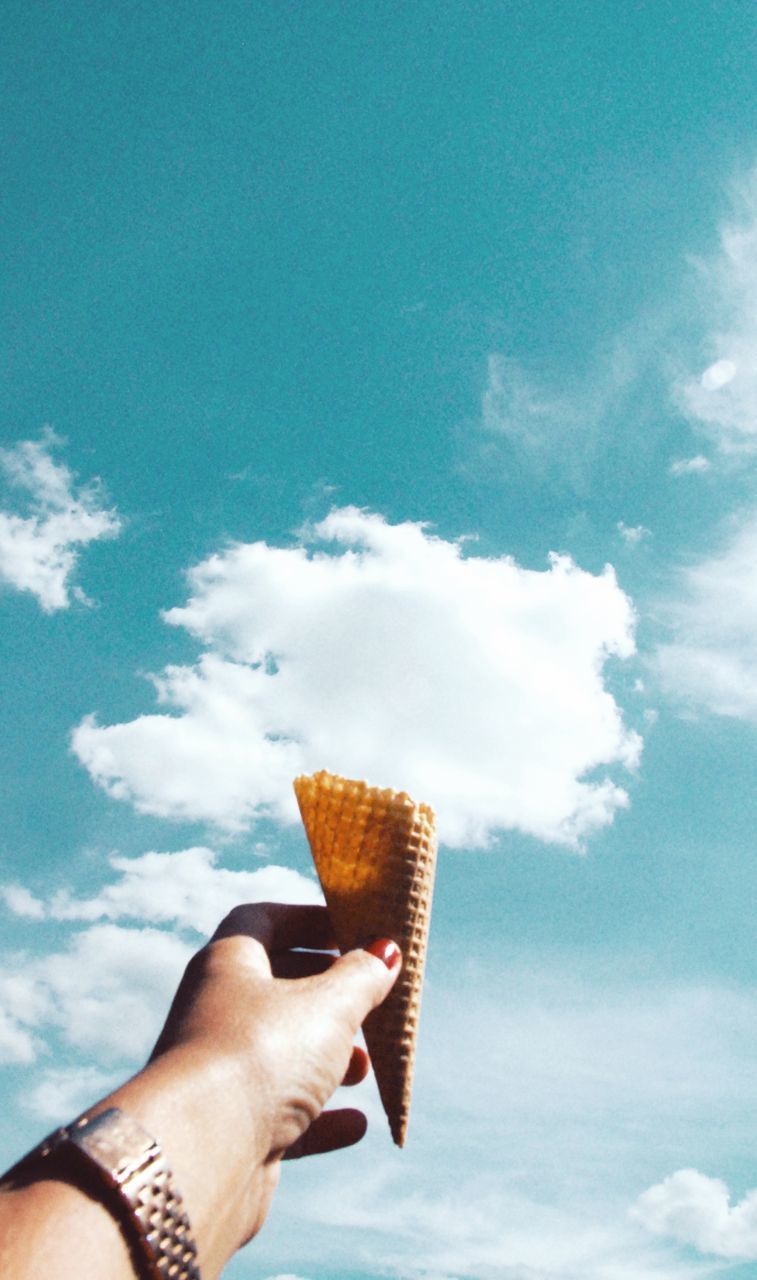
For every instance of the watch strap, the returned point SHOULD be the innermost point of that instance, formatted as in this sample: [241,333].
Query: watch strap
[130,1163]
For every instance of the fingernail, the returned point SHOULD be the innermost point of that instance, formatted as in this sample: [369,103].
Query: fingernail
[386,950]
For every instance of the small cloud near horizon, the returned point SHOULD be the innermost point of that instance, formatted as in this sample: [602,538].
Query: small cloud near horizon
[696,1210]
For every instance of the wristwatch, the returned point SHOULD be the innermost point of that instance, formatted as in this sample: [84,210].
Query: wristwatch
[132,1172]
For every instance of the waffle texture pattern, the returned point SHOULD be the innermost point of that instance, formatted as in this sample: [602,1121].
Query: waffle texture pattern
[375,854]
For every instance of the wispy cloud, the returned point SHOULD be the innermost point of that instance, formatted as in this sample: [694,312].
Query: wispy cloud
[695,1209]
[632,534]
[561,421]
[515,406]
[538,1118]
[385,653]
[39,549]
[721,396]
[711,660]
[690,466]
[708,661]
[476,1231]
[285,1277]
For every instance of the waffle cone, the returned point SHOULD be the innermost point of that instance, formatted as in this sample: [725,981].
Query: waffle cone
[375,854]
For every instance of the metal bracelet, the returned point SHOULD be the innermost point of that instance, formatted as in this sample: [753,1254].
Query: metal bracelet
[131,1164]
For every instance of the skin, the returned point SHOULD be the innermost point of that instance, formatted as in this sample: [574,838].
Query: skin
[258,1037]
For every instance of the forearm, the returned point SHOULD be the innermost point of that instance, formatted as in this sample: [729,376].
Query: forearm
[51,1228]
[197,1109]
[240,1075]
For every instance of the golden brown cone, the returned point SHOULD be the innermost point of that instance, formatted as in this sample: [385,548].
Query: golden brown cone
[375,854]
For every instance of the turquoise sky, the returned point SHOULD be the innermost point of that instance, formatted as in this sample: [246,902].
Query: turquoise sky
[366,311]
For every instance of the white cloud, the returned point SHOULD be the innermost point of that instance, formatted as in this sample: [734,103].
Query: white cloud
[525,1150]
[718,375]
[618,1075]
[560,420]
[696,1210]
[22,902]
[711,661]
[17,1044]
[721,396]
[63,1092]
[479,1231]
[632,534]
[514,406]
[185,888]
[105,994]
[108,977]
[471,682]
[39,550]
[690,466]
[584,1087]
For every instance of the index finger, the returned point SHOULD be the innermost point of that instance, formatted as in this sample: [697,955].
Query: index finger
[279,926]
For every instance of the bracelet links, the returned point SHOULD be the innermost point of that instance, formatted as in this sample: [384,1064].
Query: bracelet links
[132,1164]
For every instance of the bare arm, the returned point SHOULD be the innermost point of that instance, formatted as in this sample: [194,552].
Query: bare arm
[258,1037]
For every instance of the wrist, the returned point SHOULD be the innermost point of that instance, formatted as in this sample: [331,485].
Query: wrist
[114,1162]
[196,1104]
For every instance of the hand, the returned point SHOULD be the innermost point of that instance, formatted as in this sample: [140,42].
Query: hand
[259,1035]
[286,1020]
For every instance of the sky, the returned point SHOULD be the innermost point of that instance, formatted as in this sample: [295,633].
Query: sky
[379,394]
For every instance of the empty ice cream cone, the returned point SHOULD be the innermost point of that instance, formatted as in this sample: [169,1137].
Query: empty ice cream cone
[375,854]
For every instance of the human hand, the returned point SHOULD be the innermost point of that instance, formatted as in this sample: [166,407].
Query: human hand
[259,1035]
[283,1022]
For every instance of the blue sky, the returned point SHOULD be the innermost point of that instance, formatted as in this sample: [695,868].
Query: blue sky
[343,350]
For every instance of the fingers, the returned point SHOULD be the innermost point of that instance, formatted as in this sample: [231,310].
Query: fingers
[300,964]
[330,1132]
[278,926]
[359,980]
[359,1066]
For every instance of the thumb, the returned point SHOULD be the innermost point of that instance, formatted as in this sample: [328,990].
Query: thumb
[361,979]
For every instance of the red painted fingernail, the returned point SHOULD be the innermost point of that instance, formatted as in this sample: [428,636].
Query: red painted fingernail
[386,950]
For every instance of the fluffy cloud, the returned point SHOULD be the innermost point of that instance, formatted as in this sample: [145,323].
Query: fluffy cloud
[22,902]
[697,1210]
[184,888]
[721,397]
[106,979]
[393,655]
[711,661]
[39,550]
